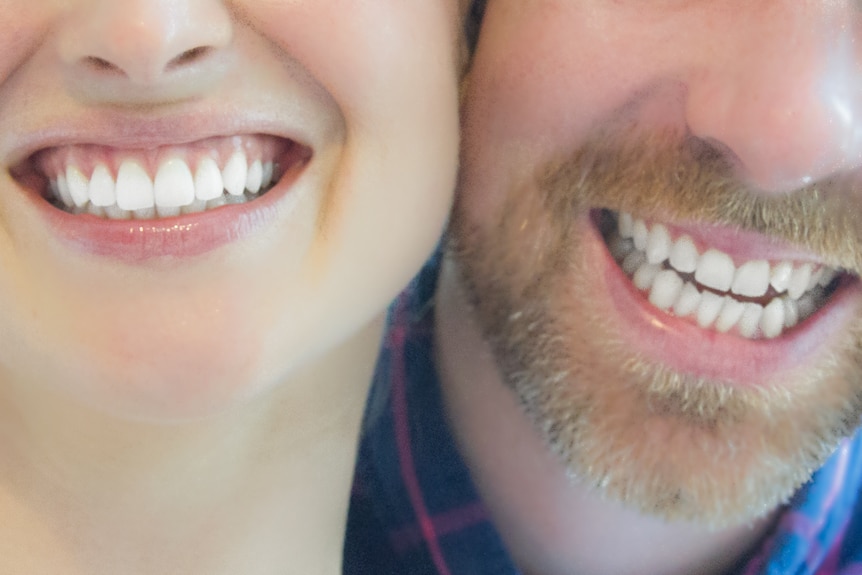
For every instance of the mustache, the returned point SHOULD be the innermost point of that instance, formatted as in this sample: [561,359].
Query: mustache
[683,178]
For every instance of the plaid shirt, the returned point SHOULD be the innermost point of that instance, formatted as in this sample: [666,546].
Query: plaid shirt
[415,511]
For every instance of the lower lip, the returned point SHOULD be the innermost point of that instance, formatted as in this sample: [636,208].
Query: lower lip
[183,236]
[686,348]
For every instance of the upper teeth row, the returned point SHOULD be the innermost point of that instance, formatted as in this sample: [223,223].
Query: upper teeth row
[173,188]
[715,269]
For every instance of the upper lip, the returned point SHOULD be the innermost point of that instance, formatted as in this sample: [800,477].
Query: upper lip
[121,130]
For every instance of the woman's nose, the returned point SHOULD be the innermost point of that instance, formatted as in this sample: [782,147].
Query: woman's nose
[137,51]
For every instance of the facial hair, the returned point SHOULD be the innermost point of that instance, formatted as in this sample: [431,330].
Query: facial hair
[669,444]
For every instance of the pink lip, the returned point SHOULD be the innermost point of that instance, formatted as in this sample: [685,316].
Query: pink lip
[178,237]
[686,348]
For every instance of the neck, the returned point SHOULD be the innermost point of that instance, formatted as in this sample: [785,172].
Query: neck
[261,489]
[550,523]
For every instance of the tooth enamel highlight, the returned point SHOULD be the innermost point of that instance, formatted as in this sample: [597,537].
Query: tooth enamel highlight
[639,234]
[688,300]
[772,321]
[683,255]
[254,177]
[715,270]
[173,187]
[78,186]
[658,244]
[659,266]
[235,173]
[62,188]
[779,277]
[208,182]
[709,308]
[665,290]
[750,320]
[752,279]
[799,281]
[101,188]
[134,187]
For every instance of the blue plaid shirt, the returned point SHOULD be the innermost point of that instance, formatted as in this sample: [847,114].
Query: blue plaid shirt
[415,511]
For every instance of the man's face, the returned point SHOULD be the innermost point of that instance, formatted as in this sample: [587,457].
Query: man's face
[658,229]
[198,198]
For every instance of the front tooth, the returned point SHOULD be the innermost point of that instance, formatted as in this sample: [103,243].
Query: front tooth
[731,312]
[683,255]
[196,206]
[254,178]
[114,212]
[779,277]
[709,308]
[791,311]
[799,281]
[173,187]
[658,244]
[665,289]
[689,299]
[750,320]
[78,186]
[645,276]
[134,188]
[772,321]
[639,234]
[235,173]
[715,270]
[752,279]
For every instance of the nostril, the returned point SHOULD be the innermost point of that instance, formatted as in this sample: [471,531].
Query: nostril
[188,57]
[101,65]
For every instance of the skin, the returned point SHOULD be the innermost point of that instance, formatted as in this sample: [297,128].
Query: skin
[199,413]
[580,430]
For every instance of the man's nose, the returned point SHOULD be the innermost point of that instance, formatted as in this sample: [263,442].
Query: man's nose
[781,93]
[143,51]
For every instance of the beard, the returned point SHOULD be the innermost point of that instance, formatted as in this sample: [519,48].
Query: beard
[674,445]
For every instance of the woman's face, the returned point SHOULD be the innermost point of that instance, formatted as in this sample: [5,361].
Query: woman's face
[197,197]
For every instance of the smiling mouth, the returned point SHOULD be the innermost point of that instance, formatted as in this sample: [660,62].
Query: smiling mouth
[162,182]
[754,298]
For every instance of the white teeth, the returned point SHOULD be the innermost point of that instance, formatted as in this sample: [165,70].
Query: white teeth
[750,320]
[625,225]
[654,261]
[196,206]
[254,177]
[62,188]
[683,255]
[134,187]
[751,279]
[101,188]
[779,277]
[658,244]
[665,290]
[715,270]
[772,321]
[645,276]
[688,301]
[639,234]
[709,308]
[633,262]
[731,312]
[799,281]
[114,212]
[266,178]
[173,187]
[208,182]
[78,186]
[235,174]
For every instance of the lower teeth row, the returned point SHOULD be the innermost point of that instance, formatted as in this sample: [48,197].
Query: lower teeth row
[114,212]
[669,291]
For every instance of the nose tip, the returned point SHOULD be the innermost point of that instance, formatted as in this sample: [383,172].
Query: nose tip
[143,43]
[789,110]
